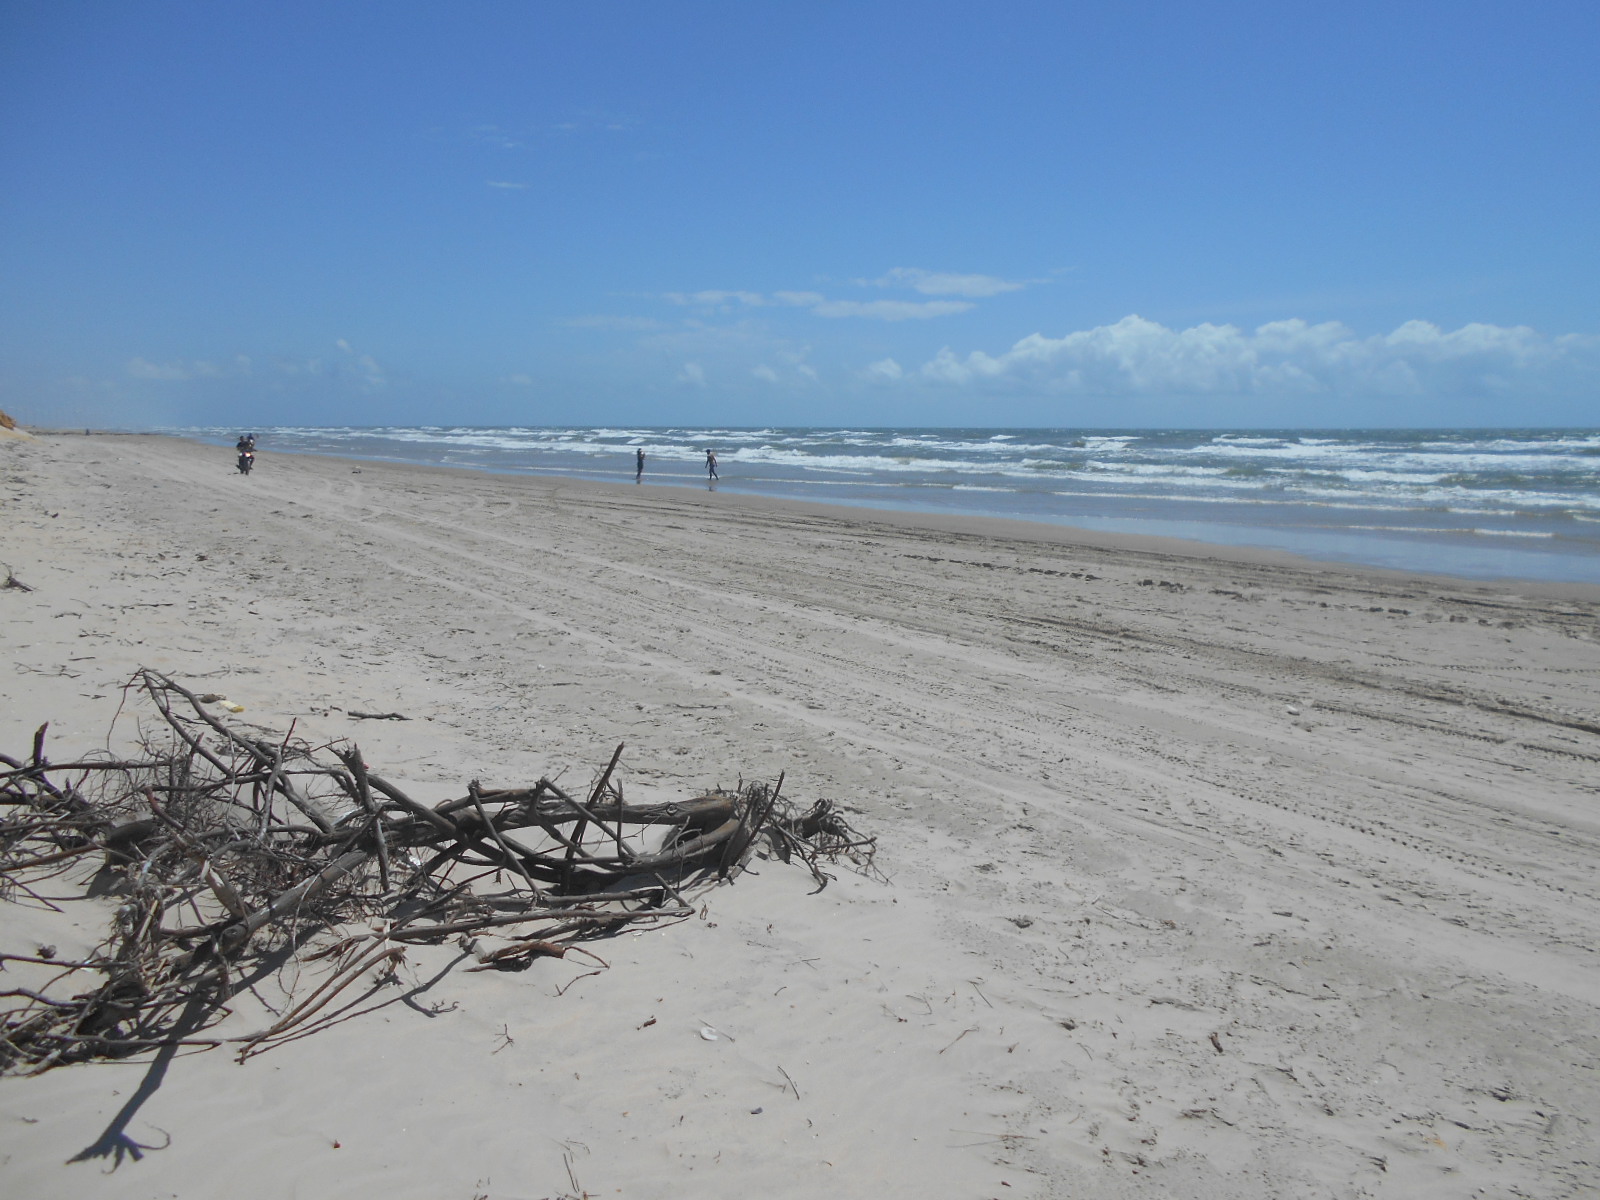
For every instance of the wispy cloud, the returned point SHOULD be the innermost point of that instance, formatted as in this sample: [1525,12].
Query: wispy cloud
[945,283]
[724,300]
[878,310]
[365,367]
[792,367]
[507,184]
[526,136]
[595,121]
[349,365]
[345,366]
[1137,357]
[181,371]
[914,279]
[498,136]
[141,368]
[692,373]
[892,310]
[620,324]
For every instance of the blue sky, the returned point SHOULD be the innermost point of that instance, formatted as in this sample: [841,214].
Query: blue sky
[748,213]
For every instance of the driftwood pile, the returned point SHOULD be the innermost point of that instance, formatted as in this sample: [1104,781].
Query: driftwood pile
[231,856]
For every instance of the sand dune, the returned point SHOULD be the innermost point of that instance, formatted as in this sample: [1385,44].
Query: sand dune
[1212,874]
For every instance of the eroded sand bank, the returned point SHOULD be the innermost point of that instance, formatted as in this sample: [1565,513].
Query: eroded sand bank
[1213,874]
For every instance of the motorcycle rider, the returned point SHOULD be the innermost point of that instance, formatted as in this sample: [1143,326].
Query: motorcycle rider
[246,446]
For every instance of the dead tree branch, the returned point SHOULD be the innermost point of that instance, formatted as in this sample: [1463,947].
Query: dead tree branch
[218,881]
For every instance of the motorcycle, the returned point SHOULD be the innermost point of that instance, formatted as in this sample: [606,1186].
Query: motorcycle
[246,461]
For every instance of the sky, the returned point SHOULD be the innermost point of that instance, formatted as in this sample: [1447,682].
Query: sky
[750,213]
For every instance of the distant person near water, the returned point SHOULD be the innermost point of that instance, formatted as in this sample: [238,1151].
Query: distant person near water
[638,466]
[711,464]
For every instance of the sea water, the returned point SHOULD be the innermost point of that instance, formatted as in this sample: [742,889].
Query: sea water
[1478,503]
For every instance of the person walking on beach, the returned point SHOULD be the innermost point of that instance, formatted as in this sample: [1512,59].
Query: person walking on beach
[638,466]
[711,464]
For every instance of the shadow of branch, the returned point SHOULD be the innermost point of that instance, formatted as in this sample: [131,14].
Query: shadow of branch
[114,1143]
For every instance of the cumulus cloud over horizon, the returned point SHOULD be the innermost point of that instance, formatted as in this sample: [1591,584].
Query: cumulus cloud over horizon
[1136,356]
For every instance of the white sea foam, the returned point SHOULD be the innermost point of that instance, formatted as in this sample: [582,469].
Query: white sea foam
[1477,480]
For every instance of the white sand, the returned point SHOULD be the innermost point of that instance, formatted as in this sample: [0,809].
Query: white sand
[1131,795]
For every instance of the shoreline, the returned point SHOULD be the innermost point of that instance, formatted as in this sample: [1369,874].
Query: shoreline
[1148,494]
[1210,873]
[987,525]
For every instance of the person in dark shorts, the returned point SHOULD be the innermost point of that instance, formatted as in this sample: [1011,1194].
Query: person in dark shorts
[711,464]
[638,466]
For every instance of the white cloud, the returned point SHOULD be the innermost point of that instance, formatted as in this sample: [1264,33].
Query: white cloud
[692,373]
[892,310]
[762,371]
[1140,357]
[945,283]
[507,184]
[520,379]
[883,369]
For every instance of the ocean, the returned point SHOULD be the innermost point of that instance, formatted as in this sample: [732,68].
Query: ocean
[1475,503]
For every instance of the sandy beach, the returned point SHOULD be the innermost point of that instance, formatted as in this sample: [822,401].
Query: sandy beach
[1209,873]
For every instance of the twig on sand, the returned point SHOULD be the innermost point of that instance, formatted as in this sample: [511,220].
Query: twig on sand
[962,1034]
